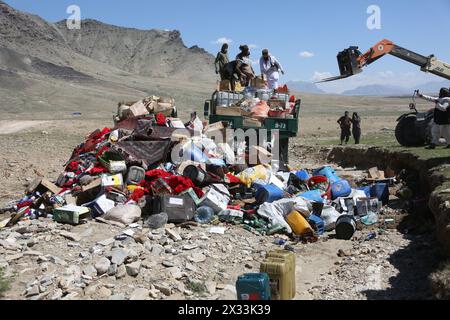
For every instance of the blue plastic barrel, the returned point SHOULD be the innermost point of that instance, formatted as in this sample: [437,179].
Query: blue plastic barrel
[253,286]
[340,189]
[327,172]
[268,193]
[381,192]
[303,175]
[313,195]
[318,223]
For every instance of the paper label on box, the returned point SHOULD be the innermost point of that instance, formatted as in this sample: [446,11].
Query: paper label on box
[176,201]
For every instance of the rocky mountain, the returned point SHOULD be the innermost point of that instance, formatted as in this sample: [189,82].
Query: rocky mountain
[303,86]
[151,53]
[154,53]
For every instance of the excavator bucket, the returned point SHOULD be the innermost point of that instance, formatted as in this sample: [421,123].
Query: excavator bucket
[348,64]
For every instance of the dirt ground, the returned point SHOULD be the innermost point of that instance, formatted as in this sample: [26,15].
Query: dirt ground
[202,265]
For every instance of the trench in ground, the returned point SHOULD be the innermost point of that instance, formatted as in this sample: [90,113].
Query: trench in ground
[423,255]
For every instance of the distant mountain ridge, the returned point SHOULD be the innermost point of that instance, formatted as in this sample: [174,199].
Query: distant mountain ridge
[386,90]
[303,86]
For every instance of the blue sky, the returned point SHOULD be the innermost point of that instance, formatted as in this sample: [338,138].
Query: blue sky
[318,28]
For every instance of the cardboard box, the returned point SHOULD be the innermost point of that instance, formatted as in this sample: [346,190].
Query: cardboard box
[70,214]
[112,181]
[42,185]
[258,83]
[217,198]
[102,205]
[228,111]
[94,184]
[176,123]
[138,109]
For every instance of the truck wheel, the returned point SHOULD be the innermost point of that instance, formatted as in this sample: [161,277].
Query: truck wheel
[405,133]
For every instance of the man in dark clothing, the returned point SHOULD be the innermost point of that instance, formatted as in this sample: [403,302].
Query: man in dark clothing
[356,122]
[221,61]
[346,125]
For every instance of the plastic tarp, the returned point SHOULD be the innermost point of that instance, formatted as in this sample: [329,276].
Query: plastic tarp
[278,210]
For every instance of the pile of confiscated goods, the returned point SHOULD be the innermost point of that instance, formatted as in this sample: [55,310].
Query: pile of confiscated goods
[133,171]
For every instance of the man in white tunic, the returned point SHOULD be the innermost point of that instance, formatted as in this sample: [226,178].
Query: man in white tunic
[441,125]
[270,69]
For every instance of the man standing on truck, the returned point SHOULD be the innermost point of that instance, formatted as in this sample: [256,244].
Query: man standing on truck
[221,61]
[270,68]
[441,126]
[346,125]
[244,67]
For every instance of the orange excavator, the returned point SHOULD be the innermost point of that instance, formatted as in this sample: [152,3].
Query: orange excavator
[352,61]
[413,128]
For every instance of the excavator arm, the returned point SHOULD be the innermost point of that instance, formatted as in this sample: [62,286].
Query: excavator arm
[351,61]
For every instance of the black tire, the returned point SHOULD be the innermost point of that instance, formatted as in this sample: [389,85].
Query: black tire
[406,134]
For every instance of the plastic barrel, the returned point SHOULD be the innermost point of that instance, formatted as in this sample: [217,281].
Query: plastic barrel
[313,195]
[327,172]
[269,193]
[302,175]
[340,189]
[345,227]
[381,192]
[321,179]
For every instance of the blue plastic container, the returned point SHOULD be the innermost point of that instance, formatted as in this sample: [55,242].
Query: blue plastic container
[318,223]
[340,189]
[366,190]
[313,195]
[327,172]
[253,287]
[268,193]
[381,192]
[302,175]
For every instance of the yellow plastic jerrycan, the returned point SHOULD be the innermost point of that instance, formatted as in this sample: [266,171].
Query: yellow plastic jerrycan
[300,226]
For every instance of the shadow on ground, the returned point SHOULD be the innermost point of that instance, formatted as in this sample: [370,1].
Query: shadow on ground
[414,263]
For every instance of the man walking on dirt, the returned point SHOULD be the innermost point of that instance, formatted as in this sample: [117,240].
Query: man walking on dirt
[346,127]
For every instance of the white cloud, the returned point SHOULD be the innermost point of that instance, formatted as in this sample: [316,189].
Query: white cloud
[306,54]
[318,76]
[222,40]
[253,46]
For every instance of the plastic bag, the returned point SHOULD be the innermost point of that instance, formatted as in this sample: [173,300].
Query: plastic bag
[278,210]
[126,214]
[329,217]
[261,110]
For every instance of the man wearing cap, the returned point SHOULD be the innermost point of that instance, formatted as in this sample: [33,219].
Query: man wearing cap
[270,69]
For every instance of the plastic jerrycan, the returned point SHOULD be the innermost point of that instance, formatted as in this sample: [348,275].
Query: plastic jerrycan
[290,258]
[298,223]
[253,286]
[280,278]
